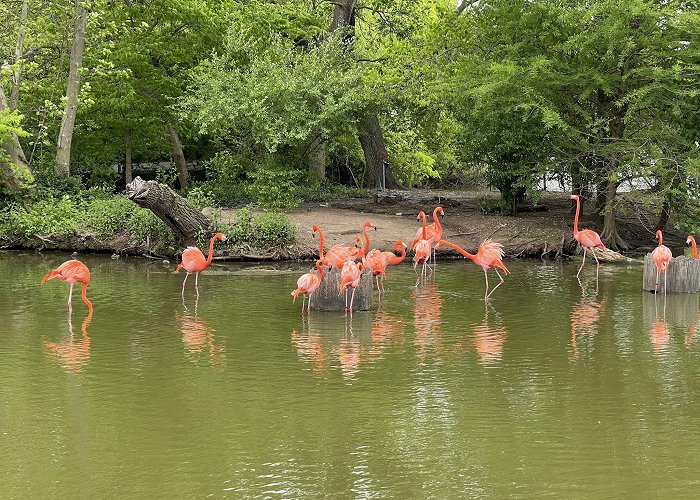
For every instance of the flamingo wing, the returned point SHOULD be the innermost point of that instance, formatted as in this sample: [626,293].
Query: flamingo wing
[590,239]
[193,260]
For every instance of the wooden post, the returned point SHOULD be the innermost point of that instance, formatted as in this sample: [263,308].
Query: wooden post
[327,296]
[683,275]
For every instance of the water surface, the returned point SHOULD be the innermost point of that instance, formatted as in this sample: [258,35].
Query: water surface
[553,389]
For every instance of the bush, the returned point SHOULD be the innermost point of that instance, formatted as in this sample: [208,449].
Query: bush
[106,216]
[273,229]
[47,217]
[274,188]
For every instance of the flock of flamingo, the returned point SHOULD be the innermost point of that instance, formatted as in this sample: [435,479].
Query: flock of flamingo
[353,260]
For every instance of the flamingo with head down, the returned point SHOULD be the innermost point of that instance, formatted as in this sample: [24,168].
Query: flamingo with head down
[488,256]
[72,272]
[193,261]
[308,283]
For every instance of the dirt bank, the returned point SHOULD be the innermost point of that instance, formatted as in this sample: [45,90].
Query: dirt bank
[546,230]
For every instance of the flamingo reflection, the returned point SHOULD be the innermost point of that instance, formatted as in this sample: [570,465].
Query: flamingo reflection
[426,315]
[660,334]
[692,332]
[584,319]
[349,355]
[72,354]
[309,345]
[198,337]
[386,329]
[489,340]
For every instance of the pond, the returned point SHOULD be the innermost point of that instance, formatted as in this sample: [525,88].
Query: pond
[552,389]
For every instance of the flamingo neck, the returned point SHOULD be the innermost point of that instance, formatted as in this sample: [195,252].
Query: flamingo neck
[211,251]
[366,248]
[402,254]
[424,234]
[578,210]
[459,249]
[436,221]
[83,295]
[661,237]
[320,269]
[321,242]
[695,248]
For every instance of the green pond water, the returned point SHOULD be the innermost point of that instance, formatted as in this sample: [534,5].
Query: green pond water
[552,390]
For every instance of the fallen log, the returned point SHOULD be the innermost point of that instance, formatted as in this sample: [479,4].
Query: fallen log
[179,214]
[327,296]
[683,275]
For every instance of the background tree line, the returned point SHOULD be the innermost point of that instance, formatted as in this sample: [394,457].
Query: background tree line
[278,98]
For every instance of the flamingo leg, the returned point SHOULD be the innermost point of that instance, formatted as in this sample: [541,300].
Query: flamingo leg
[658,274]
[597,268]
[346,300]
[499,284]
[303,301]
[582,263]
[70,297]
[665,276]
[352,298]
[486,292]
[183,284]
[308,306]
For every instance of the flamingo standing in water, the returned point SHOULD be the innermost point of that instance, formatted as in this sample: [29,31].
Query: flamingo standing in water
[422,249]
[308,283]
[72,272]
[433,231]
[350,278]
[488,256]
[587,238]
[662,257]
[691,241]
[193,261]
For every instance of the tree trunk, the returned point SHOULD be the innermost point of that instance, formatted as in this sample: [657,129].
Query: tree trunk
[127,160]
[664,216]
[610,235]
[184,219]
[15,174]
[316,151]
[65,135]
[344,16]
[16,72]
[374,149]
[178,157]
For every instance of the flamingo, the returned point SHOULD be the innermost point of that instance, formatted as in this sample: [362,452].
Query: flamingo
[350,278]
[376,262]
[662,257]
[433,231]
[193,261]
[381,260]
[691,241]
[391,258]
[422,249]
[587,238]
[308,283]
[72,272]
[488,256]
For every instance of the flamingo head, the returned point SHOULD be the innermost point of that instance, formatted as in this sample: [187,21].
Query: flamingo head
[219,236]
[358,241]
[369,224]
[658,235]
[314,230]
[689,240]
[323,262]
[574,197]
[400,244]
[440,211]
[420,215]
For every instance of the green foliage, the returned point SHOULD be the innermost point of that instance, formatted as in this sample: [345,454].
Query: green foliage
[276,188]
[47,217]
[269,229]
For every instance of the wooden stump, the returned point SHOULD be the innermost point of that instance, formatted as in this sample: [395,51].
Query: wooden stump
[327,298]
[178,213]
[683,275]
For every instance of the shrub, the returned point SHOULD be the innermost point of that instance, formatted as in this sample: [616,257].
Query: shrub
[106,216]
[275,188]
[273,229]
[47,217]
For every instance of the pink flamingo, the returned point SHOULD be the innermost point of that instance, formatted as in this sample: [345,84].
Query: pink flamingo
[391,258]
[193,261]
[587,238]
[376,262]
[365,249]
[350,278]
[662,257]
[308,283]
[433,231]
[422,250]
[691,241]
[72,272]
[488,256]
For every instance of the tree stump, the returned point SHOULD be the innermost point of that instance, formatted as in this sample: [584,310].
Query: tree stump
[327,296]
[683,275]
[178,213]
